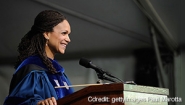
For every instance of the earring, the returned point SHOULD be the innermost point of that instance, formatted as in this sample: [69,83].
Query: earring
[47,41]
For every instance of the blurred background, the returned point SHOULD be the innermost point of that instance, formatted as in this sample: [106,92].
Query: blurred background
[134,40]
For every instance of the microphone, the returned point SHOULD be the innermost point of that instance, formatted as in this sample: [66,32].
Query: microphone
[88,64]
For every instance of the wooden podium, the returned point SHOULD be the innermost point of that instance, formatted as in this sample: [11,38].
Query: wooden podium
[117,94]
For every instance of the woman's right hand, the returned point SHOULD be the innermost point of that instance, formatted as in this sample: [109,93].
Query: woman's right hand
[48,101]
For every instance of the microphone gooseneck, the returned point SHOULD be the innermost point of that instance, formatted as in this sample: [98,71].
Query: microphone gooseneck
[100,73]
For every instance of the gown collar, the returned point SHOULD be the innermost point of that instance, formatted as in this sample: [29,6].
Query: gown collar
[35,59]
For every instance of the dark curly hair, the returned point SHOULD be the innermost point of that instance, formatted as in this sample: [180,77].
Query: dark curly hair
[33,43]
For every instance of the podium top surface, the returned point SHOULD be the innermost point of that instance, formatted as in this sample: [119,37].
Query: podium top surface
[146,89]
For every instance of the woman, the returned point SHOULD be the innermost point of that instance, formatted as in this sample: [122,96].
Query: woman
[37,73]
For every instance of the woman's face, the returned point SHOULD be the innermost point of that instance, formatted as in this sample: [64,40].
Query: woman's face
[58,39]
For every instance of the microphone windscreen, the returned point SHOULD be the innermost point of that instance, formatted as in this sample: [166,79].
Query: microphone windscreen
[85,62]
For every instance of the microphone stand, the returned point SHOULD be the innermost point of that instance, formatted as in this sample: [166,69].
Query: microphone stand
[101,76]
[107,73]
